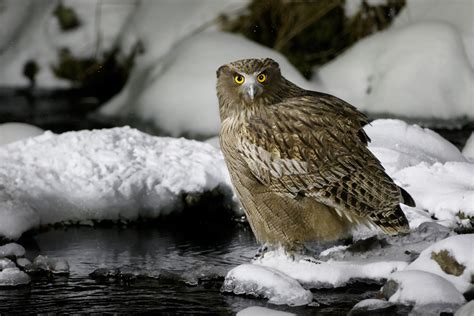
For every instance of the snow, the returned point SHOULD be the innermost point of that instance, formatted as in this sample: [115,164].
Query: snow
[468,150]
[331,273]
[459,247]
[423,288]
[430,168]
[12,250]
[370,306]
[53,265]
[180,99]
[266,282]
[455,12]
[12,132]
[114,174]
[262,311]
[13,277]
[412,71]
[466,310]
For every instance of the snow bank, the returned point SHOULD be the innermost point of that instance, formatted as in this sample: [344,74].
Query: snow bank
[12,132]
[12,250]
[328,274]
[451,258]
[420,70]
[181,97]
[421,288]
[430,168]
[13,277]
[266,282]
[113,174]
[33,33]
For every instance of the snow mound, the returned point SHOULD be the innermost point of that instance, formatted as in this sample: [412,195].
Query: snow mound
[262,311]
[451,259]
[266,282]
[13,277]
[399,72]
[431,169]
[421,288]
[112,174]
[330,273]
[468,150]
[466,310]
[12,250]
[12,132]
[370,306]
[180,98]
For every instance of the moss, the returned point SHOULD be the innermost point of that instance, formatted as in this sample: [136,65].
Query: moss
[309,33]
[447,263]
[67,17]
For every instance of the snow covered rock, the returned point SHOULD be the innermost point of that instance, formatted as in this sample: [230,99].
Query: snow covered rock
[414,287]
[112,174]
[180,98]
[466,310]
[12,250]
[451,258]
[468,150]
[398,72]
[13,277]
[262,311]
[12,132]
[6,263]
[330,273]
[369,306]
[43,264]
[430,168]
[260,281]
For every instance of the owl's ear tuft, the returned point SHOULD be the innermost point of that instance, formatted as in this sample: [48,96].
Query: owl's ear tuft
[222,69]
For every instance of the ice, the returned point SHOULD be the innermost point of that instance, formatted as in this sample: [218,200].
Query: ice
[114,174]
[180,98]
[397,71]
[262,311]
[456,257]
[13,277]
[12,250]
[328,274]
[260,281]
[11,132]
[414,287]
[43,264]
[468,150]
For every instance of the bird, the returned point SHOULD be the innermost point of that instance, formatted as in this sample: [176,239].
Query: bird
[299,160]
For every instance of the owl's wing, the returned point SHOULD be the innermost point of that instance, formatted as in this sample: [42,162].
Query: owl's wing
[315,146]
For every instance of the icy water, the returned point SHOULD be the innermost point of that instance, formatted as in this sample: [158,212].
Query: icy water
[162,270]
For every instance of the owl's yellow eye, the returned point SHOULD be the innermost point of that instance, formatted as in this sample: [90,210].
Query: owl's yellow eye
[261,78]
[239,79]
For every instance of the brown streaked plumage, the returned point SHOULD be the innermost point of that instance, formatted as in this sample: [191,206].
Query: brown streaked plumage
[299,160]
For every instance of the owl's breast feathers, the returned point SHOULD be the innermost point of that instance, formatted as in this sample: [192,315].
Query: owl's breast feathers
[315,146]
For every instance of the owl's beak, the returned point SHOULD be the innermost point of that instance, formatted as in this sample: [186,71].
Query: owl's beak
[252,90]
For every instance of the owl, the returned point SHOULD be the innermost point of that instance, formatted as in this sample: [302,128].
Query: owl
[299,161]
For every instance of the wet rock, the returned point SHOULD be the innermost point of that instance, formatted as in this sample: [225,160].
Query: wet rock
[448,263]
[12,250]
[104,274]
[371,307]
[13,277]
[390,288]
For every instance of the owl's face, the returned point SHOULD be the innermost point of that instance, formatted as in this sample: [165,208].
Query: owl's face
[248,80]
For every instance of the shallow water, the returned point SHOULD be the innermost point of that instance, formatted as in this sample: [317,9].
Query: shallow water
[160,268]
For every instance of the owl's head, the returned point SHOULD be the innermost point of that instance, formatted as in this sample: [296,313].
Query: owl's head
[248,80]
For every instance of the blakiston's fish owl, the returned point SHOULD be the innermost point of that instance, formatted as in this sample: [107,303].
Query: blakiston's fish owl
[299,160]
